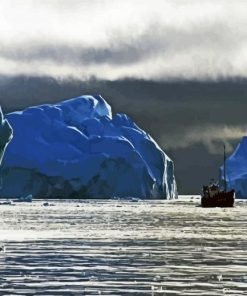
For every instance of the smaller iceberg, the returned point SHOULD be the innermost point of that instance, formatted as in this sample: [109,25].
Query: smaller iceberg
[28,198]
[236,170]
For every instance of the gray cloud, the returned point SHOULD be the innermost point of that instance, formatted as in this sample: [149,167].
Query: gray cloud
[121,50]
[119,54]
[212,137]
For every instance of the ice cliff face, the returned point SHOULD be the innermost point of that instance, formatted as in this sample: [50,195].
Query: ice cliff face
[5,134]
[236,168]
[76,148]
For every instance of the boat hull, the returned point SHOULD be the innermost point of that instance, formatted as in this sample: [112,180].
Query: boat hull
[221,199]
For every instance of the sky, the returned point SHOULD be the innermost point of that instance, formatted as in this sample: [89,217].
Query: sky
[177,67]
[114,39]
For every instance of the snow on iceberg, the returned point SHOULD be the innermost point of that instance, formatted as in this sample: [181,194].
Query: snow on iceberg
[236,170]
[6,134]
[76,148]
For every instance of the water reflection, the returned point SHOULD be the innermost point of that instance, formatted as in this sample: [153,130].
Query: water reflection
[123,248]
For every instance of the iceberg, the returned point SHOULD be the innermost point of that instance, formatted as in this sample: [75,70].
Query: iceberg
[28,198]
[78,149]
[236,170]
[6,134]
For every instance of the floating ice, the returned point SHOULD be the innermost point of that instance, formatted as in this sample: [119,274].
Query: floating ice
[76,148]
[2,249]
[7,202]
[28,198]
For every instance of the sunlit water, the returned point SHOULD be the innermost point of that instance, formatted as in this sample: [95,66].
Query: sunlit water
[123,248]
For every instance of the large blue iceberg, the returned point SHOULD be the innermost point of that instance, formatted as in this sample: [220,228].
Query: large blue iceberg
[236,170]
[6,134]
[77,149]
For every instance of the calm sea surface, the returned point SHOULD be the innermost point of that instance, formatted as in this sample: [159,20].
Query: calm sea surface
[123,248]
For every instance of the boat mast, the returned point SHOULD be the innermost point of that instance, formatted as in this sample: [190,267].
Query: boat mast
[224,167]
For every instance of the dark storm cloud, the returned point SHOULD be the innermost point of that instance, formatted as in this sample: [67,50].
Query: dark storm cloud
[189,119]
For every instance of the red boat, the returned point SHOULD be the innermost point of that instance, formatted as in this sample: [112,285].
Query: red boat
[218,199]
[212,196]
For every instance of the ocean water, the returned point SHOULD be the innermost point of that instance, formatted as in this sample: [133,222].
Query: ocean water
[123,248]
